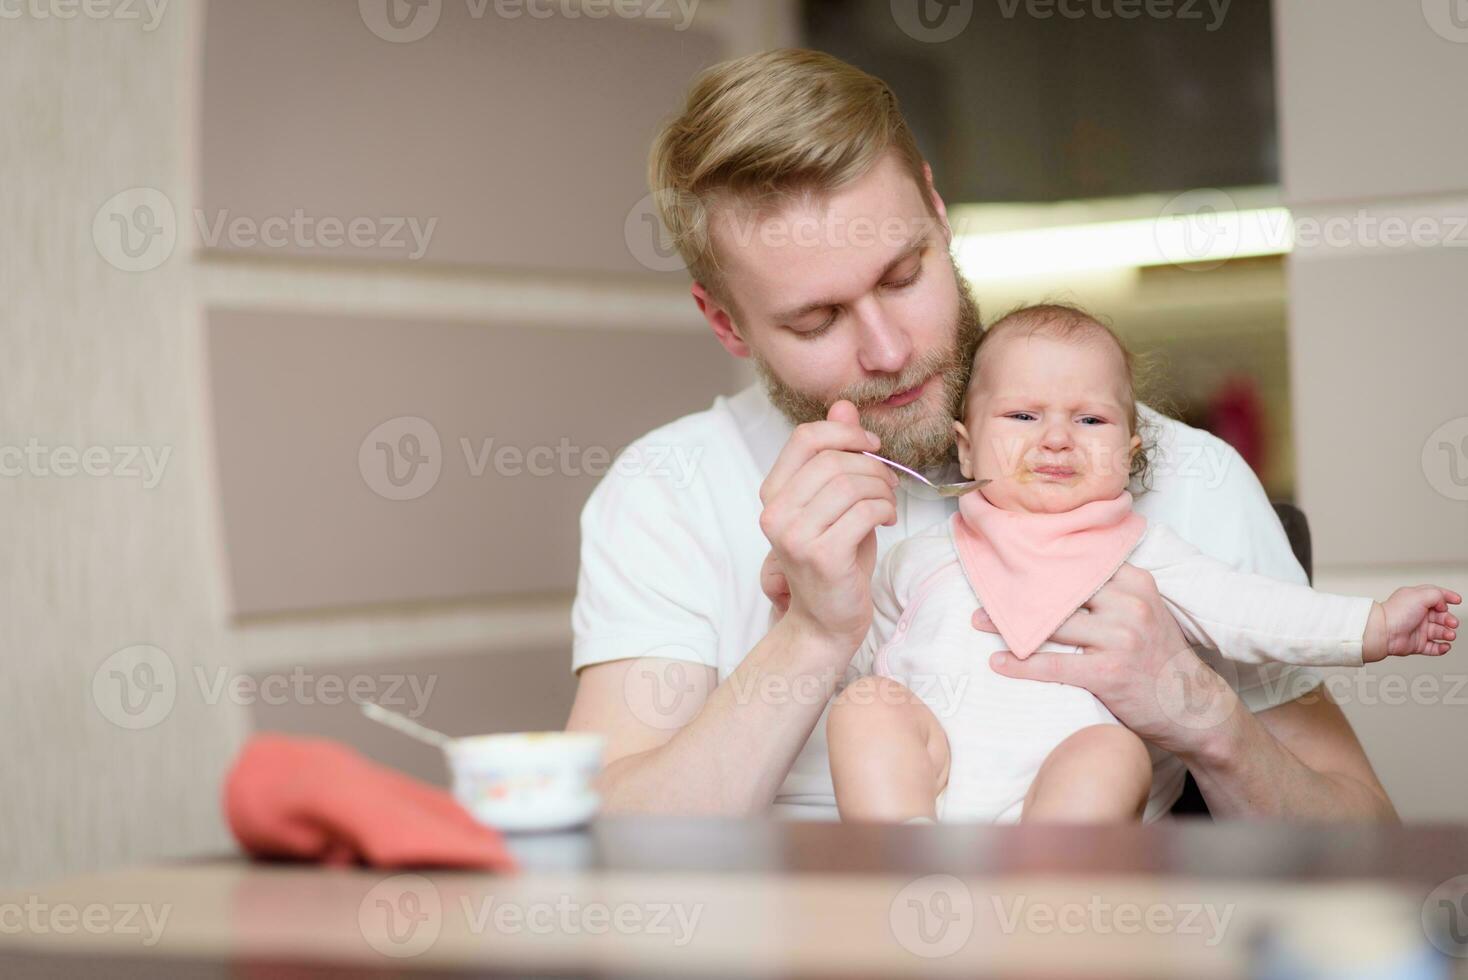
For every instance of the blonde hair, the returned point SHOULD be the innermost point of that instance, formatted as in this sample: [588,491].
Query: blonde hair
[1066,322]
[760,128]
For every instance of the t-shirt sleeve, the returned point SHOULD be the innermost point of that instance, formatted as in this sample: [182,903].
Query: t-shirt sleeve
[649,580]
[1228,516]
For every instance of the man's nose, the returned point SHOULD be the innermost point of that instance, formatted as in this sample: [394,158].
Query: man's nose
[885,346]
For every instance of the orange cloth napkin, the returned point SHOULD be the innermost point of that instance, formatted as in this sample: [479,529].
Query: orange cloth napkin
[317,800]
[1031,571]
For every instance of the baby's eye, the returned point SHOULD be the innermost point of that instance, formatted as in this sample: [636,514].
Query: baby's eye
[1016,415]
[1093,418]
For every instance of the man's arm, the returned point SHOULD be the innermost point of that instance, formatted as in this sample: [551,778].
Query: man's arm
[739,738]
[679,742]
[1297,761]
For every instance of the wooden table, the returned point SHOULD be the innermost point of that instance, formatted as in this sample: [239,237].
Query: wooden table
[767,898]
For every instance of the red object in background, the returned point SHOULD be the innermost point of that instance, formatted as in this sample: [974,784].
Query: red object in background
[317,800]
[1236,415]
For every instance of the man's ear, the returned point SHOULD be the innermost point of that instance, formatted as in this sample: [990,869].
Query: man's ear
[718,317]
[938,204]
[964,447]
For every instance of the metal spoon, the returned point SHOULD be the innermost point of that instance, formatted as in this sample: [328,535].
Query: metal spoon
[942,489]
[407,726]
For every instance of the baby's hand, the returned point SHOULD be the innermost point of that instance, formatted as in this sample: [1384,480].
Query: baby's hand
[1413,620]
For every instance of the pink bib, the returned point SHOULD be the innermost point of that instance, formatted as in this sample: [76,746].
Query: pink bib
[1031,571]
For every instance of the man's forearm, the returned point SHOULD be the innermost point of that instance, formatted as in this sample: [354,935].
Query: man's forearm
[733,755]
[1244,771]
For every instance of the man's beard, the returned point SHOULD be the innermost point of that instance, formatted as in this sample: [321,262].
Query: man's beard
[915,435]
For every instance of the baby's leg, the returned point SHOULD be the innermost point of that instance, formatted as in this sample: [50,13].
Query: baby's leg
[1100,774]
[889,754]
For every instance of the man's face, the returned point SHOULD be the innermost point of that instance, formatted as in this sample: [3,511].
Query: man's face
[854,295]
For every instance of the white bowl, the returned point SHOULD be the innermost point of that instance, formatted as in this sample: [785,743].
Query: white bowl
[527,780]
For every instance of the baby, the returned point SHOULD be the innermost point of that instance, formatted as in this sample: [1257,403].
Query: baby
[1051,420]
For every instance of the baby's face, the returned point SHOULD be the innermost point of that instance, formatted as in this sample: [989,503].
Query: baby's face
[1047,423]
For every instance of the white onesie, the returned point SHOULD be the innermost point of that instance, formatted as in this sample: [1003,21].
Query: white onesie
[1000,729]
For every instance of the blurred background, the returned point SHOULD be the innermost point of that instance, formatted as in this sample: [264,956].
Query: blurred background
[321,319]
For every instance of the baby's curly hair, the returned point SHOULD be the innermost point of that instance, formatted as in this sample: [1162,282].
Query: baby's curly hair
[1065,321]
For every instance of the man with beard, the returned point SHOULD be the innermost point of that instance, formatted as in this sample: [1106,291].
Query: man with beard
[819,248]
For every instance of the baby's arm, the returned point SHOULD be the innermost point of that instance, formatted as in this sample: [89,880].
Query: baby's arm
[1254,619]
[1414,619]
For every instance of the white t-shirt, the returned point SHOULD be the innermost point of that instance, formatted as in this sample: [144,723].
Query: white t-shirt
[671,551]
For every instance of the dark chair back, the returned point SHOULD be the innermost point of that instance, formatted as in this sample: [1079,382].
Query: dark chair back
[1297,529]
